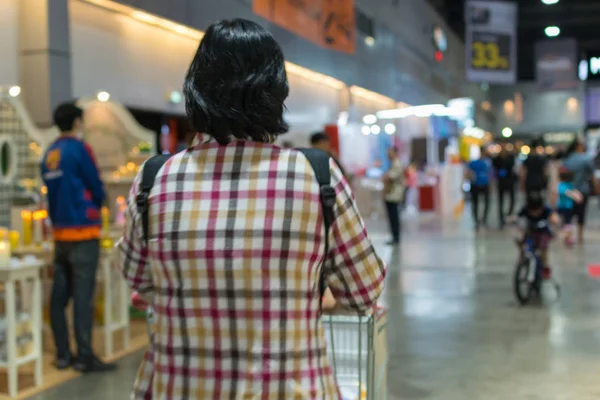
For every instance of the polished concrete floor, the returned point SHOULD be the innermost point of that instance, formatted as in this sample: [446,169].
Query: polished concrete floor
[456,331]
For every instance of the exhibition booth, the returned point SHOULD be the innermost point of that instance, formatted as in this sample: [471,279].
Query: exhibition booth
[26,249]
[361,124]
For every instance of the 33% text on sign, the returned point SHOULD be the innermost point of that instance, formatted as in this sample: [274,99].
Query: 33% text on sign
[490,51]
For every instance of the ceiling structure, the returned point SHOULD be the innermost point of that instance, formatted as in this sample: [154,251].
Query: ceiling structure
[579,19]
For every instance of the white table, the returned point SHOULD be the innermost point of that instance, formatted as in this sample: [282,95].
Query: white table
[27,271]
[111,292]
[121,290]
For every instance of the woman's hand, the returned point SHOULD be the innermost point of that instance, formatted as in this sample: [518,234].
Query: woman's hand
[328,302]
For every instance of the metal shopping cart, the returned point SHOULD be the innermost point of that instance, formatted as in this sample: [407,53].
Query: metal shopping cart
[357,346]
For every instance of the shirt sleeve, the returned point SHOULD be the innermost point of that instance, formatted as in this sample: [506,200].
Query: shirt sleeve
[357,274]
[562,188]
[91,176]
[395,172]
[591,166]
[132,249]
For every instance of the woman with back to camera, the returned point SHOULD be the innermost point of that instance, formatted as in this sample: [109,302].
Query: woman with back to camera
[236,241]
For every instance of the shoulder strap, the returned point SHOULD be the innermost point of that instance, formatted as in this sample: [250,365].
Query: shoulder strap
[319,161]
[151,168]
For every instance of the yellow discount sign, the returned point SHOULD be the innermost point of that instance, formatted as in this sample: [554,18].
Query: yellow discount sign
[490,51]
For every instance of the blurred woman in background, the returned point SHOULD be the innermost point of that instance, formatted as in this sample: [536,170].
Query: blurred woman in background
[581,165]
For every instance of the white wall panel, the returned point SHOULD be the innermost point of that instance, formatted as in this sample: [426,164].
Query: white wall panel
[310,107]
[136,63]
[9,42]
[403,29]
[542,111]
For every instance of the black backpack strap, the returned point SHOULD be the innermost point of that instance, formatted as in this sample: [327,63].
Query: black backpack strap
[319,161]
[149,171]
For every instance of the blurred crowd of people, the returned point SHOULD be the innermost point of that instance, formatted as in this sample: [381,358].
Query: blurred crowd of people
[565,180]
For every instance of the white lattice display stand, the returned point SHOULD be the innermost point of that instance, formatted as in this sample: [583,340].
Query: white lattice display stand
[26,275]
[116,304]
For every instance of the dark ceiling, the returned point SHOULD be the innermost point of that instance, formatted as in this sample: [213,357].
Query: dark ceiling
[579,19]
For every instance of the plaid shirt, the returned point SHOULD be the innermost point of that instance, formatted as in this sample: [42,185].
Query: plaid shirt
[233,261]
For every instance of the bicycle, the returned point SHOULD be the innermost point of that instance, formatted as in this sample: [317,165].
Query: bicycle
[531,273]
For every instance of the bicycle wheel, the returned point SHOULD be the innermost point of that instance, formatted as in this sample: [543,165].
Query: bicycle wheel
[523,286]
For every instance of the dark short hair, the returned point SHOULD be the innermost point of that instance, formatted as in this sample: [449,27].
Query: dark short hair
[574,145]
[535,201]
[537,142]
[566,175]
[65,116]
[318,137]
[236,83]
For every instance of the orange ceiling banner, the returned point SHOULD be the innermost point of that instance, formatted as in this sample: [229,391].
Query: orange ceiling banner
[328,23]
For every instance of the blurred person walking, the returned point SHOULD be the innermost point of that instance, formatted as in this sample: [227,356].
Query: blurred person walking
[478,173]
[504,168]
[554,179]
[568,196]
[235,253]
[581,165]
[534,172]
[319,140]
[411,177]
[393,192]
[75,196]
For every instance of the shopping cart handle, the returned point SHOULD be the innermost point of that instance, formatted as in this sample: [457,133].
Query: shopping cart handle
[138,301]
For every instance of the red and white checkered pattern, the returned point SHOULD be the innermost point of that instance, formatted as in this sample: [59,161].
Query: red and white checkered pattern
[233,260]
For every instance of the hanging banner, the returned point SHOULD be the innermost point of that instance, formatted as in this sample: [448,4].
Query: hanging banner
[328,23]
[491,41]
[556,64]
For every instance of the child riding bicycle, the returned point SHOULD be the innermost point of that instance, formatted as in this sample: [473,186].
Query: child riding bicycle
[537,217]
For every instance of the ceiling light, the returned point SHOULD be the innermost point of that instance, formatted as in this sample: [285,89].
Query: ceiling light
[142,16]
[509,107]
[507,132]
[103,96]
[552,31]
[372,96]
[369,119]
[550,2]
[370,41]
[366,130]
[390,129]
[583,70]
[14,91]
[175,97]
[572,104]
[375,129]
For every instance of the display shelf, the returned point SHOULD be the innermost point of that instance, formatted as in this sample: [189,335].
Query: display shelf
[120,293]
[11,275]
[125,180]
[23,360]
[115,296]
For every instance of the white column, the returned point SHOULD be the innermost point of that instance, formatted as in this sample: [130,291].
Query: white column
[45,58]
